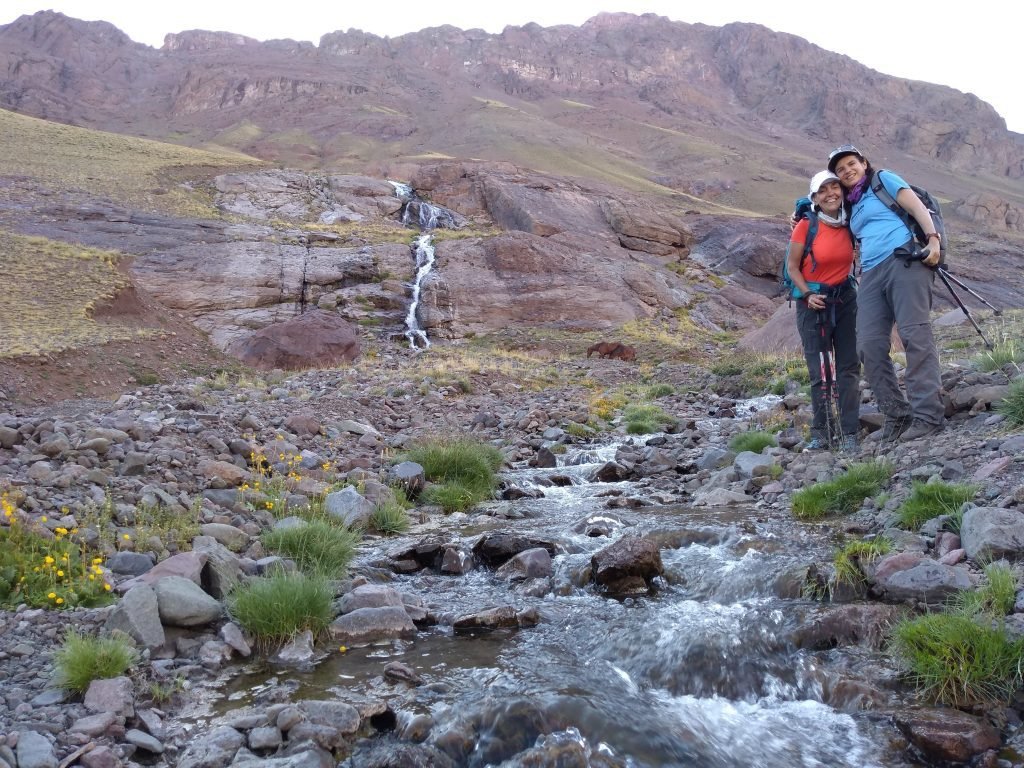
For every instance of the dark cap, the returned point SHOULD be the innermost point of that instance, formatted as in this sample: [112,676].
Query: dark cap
[839,153]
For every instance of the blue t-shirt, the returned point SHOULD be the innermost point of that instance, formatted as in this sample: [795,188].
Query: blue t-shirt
[879,230]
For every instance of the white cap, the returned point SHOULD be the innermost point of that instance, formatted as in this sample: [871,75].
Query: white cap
[820,178]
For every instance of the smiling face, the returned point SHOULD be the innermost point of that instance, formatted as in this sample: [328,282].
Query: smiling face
[829,197]
[850,169]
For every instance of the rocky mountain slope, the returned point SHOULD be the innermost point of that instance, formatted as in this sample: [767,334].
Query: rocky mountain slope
[726,114]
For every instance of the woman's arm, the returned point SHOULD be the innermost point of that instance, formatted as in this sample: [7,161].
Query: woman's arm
[912,204]
[793,256]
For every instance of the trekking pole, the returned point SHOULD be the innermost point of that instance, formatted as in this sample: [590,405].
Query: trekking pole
[837,431]
[944,276]
[945,273]
[829,395]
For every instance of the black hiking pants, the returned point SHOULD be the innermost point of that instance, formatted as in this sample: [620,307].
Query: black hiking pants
[832,329]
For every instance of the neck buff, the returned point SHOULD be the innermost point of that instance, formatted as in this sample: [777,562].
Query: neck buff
[833,221]
[855,192]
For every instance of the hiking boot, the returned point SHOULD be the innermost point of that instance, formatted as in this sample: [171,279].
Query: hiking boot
[816,444]
[849,444]
[894,426]
[920,429]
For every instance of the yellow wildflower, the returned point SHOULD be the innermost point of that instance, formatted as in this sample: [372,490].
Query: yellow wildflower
[52,595]
[106,586]
[59,600]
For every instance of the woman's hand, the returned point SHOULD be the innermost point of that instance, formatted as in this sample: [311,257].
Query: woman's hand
[934,254]
[816,302]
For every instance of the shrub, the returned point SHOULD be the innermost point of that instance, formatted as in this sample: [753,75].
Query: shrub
[754,440]
[576,429]
[463,469]
[1012,405]
[850,560]
[42,572]
[83,658]
[604,406]
[389,518]
[958,662]
[275,609]
[659,390]
[928,500]
[993,598]
[727,368]
[318,548]
[842,494]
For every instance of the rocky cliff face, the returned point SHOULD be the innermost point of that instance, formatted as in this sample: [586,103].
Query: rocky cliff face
[424,91]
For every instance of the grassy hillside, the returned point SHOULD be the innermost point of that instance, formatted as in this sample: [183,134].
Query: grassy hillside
[51,289]
[134,172]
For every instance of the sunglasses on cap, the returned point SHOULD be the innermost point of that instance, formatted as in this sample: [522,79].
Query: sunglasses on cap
[839,152]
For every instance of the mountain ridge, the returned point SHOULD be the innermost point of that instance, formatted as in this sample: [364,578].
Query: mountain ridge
[677,103]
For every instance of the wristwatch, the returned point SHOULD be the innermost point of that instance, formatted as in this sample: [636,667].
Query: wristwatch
[936,235]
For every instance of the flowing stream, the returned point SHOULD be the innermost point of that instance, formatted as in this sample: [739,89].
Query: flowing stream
[704,672]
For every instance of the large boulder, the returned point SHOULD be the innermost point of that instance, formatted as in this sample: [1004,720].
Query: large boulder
[313,339]
[628,566]
[908,577]
[991,533]
[947,735]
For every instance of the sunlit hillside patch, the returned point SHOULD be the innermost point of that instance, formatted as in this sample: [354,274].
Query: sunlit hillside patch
[125,169]
[50,291]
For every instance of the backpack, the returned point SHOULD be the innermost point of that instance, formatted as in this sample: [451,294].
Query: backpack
[801,210]
[915,229]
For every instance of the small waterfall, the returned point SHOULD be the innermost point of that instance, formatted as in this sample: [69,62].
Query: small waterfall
[427,217]
[424,249]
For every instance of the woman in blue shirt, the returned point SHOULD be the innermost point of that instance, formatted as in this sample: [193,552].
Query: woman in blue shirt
[895,287]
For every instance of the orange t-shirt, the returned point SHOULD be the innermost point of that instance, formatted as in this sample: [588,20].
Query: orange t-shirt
[833,253]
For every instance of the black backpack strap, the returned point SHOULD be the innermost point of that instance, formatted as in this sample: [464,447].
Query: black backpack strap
[889,201]
[812,232]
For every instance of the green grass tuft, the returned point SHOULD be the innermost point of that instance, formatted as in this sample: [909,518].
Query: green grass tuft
[277,608]
[754,440]
[850,560]
[928,500]
[843,494]
[659,390]
[389,518]
[644,418]
[83,658]
[463,470]
[1012,406]
[994,598]
[1001,354]
[452,496]
[958,662]
[318,548]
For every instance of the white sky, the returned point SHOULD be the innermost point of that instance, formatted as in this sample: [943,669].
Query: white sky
[966,45]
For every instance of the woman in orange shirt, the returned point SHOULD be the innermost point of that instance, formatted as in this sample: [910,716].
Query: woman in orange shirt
[826,314]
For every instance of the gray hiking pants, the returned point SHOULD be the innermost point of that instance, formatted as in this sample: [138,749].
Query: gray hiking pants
[900,292]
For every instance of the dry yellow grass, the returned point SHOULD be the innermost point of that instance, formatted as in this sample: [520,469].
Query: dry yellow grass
[50,291]
[453,365]
[126,169]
